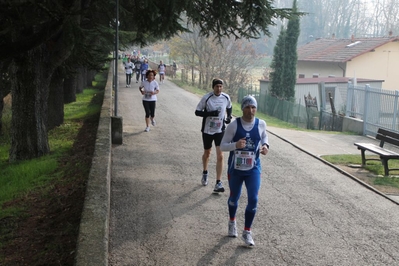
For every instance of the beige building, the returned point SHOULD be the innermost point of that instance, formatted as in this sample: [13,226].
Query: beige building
[366,58]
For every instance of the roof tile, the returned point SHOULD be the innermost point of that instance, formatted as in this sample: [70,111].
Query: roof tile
[340,50]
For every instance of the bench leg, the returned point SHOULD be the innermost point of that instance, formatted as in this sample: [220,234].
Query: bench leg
[385,164]
[363,158]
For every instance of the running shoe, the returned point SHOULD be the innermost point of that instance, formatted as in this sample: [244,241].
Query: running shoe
[218,188]
[147,129]
[232,229]
[204,179]
[153,123]
[247,237]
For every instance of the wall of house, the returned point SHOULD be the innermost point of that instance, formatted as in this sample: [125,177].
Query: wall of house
[322,68]
[383,64]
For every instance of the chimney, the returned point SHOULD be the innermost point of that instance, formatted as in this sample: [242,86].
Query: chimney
[353,38]
[301,76]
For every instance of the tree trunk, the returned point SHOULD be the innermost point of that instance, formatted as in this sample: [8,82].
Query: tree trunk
[80,81]
[30,79]
[55,102]
[4,88]
[70,90]
[1,114]
[90,77]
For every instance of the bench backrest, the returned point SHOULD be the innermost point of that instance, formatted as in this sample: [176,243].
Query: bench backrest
[387,136]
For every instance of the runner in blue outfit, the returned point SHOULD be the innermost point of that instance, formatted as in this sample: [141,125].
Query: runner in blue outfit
[245,138]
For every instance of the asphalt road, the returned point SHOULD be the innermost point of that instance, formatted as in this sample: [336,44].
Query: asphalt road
[308,213]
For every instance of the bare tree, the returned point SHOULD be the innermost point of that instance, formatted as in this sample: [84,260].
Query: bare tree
[208,58]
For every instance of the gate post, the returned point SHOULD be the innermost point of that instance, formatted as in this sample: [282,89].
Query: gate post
[365,112]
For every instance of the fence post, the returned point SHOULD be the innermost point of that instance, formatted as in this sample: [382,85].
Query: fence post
[349,99]
[322,93]
[395,109]
[366,100]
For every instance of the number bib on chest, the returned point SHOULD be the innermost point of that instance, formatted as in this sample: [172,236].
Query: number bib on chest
[147,95]
[215,122]
[244,160]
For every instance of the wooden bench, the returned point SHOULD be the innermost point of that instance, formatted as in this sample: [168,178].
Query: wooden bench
[384,136]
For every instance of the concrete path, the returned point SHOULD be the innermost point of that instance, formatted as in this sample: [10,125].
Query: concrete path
[308,213]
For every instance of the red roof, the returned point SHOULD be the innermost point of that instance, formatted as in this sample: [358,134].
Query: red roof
[340,50]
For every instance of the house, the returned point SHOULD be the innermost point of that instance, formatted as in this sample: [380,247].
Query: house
[367,58]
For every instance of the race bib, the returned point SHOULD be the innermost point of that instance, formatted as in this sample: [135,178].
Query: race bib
[244,160]
[215,122]
[147,95]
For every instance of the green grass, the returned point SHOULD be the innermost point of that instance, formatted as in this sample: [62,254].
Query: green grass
[387,181]
[24,176]
[18,179]
[375,167]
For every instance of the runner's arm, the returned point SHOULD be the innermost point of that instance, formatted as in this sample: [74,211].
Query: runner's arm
[227,144]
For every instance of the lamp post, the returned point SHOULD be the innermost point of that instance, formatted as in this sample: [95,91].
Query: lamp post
[116,121]
[116,58]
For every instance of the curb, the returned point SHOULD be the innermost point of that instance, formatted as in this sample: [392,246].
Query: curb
[92,243]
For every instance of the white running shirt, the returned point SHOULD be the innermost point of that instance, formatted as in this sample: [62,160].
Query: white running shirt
[210,102]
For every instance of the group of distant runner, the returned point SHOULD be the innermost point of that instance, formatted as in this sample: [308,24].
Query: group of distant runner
[139,66]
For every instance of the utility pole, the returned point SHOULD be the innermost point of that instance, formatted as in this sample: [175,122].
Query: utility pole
[116,57]
[116,121]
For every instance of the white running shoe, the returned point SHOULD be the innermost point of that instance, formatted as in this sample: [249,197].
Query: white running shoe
[218,188]
[247,237]
[147,129]
[232,229]
[153,123]
[204,180]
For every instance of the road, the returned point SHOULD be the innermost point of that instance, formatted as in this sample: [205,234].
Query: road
[308,213]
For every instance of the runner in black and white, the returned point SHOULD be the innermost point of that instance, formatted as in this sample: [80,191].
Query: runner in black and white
[162,71]
[215,109]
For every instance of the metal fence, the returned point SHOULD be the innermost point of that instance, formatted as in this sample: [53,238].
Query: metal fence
[377,108]
[293,113]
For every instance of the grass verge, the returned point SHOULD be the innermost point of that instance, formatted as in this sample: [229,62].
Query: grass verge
[41,199]
[374,167]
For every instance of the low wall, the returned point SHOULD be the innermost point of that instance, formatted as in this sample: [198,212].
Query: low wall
[351,124]
[92,245]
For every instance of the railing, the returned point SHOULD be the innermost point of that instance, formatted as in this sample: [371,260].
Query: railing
[377,108]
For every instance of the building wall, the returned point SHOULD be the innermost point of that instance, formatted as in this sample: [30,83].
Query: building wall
[324,69]
[383,64]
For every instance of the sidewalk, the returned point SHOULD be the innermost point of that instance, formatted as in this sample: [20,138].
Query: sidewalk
[321,143]
[318,144]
